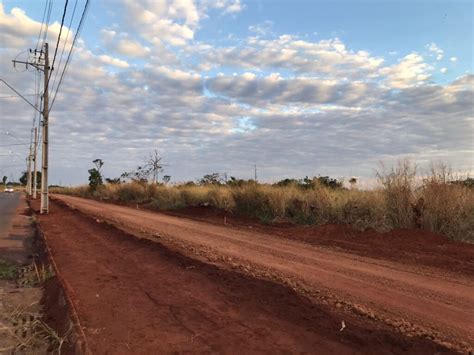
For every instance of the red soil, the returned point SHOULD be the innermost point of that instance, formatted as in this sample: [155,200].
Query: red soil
[138,296]
[414,246]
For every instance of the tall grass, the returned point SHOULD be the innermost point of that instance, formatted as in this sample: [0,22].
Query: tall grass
[403,200]
[399,192]
[447,208]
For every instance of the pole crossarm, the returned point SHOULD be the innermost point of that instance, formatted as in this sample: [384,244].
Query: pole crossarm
[20,95]
[37,66]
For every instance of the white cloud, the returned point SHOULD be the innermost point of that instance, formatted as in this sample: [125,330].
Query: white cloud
[261,29]
[273,89]
[18,30]
[410,70]
[108,60]
[453,59]
[295,107]
[226,6]
[322,58]
[435,50]
[443,70]
[132,48]
[234,7]
[107,35]
[173,22]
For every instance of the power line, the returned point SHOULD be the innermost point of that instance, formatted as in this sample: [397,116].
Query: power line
[11,144]
[42,24]
[57,42]
[64,44]
[76,36]
[47,22]
[15,96]
[16,92]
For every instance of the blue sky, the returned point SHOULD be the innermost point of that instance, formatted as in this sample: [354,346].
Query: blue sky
[380,27]
[298,87]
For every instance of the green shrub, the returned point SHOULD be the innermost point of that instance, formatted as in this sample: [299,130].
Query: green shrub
[167,198]
[252,201]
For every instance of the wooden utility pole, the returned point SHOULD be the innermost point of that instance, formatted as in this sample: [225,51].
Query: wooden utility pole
[35,171]
[44,161]
[255,166]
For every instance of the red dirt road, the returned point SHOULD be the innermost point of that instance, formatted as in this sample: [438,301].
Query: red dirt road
[416,300]
[138,296]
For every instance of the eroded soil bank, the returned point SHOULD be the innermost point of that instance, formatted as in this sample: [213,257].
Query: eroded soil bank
[140,296]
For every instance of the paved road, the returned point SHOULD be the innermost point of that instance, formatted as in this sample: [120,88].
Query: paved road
[15,228]
[420,299]
[8,206]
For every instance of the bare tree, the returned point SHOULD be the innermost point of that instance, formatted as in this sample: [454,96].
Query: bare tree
[154,166]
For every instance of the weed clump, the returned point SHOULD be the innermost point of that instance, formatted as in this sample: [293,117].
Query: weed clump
[8,271]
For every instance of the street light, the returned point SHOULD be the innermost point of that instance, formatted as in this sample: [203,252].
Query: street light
[12,135]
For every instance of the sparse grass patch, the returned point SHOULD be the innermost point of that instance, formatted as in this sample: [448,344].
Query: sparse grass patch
[34,274]
[29,333]
[8,271]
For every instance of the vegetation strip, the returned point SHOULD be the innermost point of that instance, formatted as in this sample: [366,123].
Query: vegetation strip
[438,202]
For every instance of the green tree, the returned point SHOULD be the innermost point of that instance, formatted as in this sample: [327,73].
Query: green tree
[353,182]
[4,180]
[95,175]
[113,181]
[233,181]
[210,179]
[24,178]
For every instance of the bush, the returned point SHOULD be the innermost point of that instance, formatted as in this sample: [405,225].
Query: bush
[447,208]
[398,186]
[252,201]
[221,198]
[167,198]
[132,192]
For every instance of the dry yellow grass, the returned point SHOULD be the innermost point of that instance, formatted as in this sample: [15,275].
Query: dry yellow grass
[442,207]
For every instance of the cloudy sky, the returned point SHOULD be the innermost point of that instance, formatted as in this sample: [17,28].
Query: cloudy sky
[297,87]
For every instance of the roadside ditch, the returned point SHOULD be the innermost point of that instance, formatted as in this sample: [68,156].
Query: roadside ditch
[35,312]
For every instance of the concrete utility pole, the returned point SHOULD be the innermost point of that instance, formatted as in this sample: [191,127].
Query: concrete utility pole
[44,161]
[28,179]
[44,171]
[35,171]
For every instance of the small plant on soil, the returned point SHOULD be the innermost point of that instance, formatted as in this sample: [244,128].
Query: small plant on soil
[34,274]
[7,270]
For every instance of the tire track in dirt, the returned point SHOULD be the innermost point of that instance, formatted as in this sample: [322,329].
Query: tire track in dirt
[423,303]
